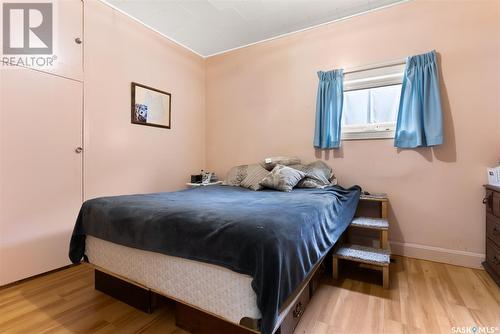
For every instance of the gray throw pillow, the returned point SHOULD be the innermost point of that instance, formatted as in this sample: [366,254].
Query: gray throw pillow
[279,160]
[255,174]
[236,175]
[282,178]
[318,175]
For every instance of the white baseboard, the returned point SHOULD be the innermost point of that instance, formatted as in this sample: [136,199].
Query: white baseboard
[438,254]
[431,253]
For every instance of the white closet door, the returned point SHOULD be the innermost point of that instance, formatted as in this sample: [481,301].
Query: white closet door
[66,59]
[68,26]
[40,172]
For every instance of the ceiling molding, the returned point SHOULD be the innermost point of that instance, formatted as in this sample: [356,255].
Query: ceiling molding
[114,7]
[310,28]
[149,27]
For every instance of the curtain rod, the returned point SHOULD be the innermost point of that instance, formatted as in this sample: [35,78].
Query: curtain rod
[375,66]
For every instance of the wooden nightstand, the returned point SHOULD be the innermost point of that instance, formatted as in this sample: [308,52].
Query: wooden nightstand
[195,185]
[374,257]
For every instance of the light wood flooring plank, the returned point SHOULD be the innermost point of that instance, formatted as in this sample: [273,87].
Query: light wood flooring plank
[425,297]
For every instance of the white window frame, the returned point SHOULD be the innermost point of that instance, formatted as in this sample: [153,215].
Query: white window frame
[375,131]
[372,76]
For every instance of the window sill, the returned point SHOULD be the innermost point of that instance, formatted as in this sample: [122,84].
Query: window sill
[364,135]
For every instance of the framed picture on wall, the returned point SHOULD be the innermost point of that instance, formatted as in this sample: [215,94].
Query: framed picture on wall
[151,106]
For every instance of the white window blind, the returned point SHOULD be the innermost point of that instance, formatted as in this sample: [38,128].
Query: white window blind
[371,101]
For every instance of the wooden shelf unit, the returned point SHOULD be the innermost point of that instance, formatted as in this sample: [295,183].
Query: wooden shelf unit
[375,257]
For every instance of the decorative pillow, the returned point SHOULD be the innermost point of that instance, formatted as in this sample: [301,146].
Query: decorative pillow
[325,169]
[301,167]
[271,162]
[318,175]
[236,175]
[282,178]
[255,174]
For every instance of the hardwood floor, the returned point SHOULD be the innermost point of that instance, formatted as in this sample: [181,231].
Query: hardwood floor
[425,297]
[66,302]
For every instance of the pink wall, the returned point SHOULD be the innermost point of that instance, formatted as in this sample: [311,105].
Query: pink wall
[122,158]
[39,169]
[261,102]
[247,104]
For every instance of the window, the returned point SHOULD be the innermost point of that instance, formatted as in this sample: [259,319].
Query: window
[371,101]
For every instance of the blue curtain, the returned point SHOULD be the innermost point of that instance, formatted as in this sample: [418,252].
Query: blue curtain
[420,119]
[329,109]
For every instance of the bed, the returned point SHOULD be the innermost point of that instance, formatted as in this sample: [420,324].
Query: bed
[232,252]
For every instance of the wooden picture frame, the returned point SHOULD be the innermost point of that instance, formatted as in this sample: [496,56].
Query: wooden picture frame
[150,106]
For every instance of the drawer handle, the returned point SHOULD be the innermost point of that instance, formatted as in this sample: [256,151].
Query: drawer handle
[488,200]
[495,260]
[495,232]
[299,310]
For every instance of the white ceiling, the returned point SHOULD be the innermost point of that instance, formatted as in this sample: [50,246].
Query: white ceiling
[209,27]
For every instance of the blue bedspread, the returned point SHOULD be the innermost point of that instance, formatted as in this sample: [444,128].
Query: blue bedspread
[275,237]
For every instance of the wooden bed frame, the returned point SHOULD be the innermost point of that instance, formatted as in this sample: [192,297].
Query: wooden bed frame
[198,321]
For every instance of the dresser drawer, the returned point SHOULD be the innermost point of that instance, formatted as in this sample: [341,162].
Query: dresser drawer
[293,317]
[496,204]
[488,200]
[493,256]
[493,228]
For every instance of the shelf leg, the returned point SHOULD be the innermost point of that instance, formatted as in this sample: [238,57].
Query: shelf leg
[384,239]
[385,278]
[383,210]
[335,267]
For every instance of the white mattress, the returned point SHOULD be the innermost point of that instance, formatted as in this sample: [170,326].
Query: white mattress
[209,287]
